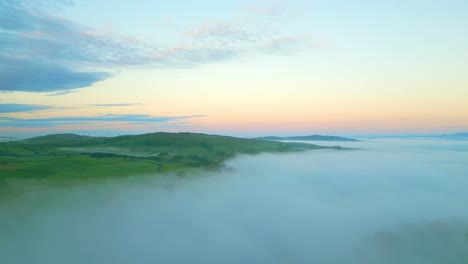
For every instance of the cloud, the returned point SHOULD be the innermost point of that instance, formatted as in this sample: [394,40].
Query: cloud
[221,30]
[289,44]
[39,4]
[194,55]
[41,53]
[34,35]
[62,93]
[222,41]
[15,108]
[29,75]
[115,105]
[110,118]
[44,53]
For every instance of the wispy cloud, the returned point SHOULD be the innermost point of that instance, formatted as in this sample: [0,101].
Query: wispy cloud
[16,108]
[116,105]
[221,41]
[288,45]
[110,118]
[192,55]
[221,30]
[59,93]
[38,4]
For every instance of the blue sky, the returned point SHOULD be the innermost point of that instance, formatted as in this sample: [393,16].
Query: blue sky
[240,67]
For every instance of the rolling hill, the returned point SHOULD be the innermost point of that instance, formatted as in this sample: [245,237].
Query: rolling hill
[71,156]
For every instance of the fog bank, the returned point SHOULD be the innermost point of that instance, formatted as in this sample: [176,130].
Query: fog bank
[391,201]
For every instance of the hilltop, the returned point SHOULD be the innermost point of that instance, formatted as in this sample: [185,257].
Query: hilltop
[75,156]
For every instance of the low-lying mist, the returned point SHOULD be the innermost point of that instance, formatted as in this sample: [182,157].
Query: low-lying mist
[391,201]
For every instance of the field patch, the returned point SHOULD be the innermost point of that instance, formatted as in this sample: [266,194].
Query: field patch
[4,167]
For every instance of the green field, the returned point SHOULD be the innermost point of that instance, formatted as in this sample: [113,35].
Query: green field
[70,156]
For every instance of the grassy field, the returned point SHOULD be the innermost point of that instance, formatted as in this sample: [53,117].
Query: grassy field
[70,156]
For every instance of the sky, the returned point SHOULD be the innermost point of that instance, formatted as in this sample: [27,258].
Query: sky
[235,67]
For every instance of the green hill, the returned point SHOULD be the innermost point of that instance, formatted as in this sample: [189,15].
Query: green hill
[71,156]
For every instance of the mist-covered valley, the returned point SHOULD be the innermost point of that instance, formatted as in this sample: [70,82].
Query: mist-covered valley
[388,201]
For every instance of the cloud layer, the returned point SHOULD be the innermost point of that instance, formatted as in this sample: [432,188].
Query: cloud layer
[15,108]
[390,202]
[110,118]
[116,105]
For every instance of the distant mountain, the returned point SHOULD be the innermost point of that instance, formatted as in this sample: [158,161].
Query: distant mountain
[308,138]
[457,136]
